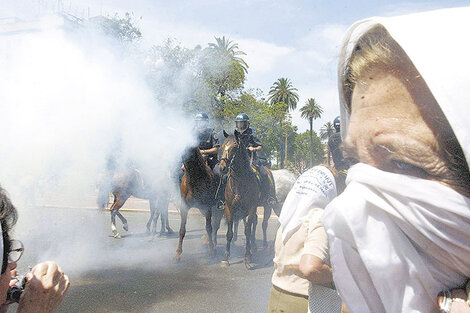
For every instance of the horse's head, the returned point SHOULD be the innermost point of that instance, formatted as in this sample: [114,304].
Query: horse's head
[230,147]
[191,154]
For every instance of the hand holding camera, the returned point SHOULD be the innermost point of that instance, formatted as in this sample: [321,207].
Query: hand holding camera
[44,288]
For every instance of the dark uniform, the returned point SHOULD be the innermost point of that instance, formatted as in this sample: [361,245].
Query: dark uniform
[207,139]
[340,164]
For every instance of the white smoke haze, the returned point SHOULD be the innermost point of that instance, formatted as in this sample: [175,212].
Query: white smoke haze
[66,99]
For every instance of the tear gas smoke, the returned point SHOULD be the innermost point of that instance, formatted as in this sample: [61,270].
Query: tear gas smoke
[67,98]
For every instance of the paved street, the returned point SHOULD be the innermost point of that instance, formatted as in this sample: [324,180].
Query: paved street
[136,273]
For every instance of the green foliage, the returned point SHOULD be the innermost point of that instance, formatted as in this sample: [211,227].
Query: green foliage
[311,110]
[299,158]
[211,80]
[327,130]
[121,28]
[283,91]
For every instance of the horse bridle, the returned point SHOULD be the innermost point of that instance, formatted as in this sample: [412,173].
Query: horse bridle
[229,162]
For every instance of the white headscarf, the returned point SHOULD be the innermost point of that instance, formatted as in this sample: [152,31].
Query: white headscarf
[437,43]
[395,240]
[314,189]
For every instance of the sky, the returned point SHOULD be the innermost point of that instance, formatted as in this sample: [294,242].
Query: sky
[298,40]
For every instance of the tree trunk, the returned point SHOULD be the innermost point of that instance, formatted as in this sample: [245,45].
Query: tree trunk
[285,150]
[281,154]
[311,142]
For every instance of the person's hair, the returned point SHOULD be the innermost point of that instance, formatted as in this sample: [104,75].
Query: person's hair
[379,50]
[376,50]
[8,218]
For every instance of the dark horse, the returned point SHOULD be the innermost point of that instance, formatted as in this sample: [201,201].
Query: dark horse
[242,192]
[198,188]
[127,182]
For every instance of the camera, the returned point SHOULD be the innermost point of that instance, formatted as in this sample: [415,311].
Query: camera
[14,293]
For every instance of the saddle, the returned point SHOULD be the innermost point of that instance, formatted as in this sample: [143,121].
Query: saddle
[259,178]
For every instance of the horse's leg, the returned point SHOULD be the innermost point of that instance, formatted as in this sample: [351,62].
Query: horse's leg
[266,216]
[248,228]
[113,217]
[229,217]
[119,201]
[235,231]
[152,212]
[184,218]
[123,220]
[216,224]
[254,247]
[209,231]
[164,213]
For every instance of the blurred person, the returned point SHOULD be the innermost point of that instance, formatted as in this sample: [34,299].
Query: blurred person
[207,139]
[208,143]
[46,284]
[302,237]
[315,267]
[400,232]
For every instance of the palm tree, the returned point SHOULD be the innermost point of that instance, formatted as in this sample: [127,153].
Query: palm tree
[283,91]
[311,111]
[325,132]
[229,50]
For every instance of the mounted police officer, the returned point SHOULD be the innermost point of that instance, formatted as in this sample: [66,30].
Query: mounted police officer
[207,139]
[250,140]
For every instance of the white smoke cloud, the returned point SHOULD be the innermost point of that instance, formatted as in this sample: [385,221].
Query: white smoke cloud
[66,98]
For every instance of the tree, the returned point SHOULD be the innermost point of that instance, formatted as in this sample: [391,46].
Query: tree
[325,132]
[229,50]
[283,91]
[311,111]
[223,70]
[121,28]
[301,153]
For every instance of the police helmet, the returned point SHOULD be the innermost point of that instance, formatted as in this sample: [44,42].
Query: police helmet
[201,117]
[202,121]
[337,123]
[242,122]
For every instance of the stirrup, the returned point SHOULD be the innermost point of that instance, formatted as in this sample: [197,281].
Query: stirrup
[220,205]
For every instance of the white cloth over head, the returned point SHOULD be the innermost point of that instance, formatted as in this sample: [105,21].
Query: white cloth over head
[437,44]
[398,243]
[313,189]
[395,240]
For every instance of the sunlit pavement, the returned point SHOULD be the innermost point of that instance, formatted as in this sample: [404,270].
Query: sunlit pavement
[137,273]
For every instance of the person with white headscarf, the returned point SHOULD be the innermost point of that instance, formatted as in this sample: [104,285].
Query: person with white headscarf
[400,232]
[46,284]
[301,240]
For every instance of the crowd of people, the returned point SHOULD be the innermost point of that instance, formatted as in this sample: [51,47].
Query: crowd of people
[388,228]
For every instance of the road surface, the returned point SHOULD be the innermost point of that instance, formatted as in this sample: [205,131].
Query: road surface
[137,273]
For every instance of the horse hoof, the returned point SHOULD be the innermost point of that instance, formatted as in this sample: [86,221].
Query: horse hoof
[248,263]
[117,235]
[177,259]
[212,254]
[224,264]
[126,228]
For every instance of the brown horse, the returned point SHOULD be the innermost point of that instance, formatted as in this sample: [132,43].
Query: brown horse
[198,188]
[127,182]
[242,192]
